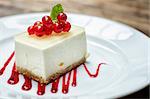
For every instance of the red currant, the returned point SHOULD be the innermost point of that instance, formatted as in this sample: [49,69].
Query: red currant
[31,30]
[48,31]
[40,34]
[66,27]
[62,17]
[57,27]
[38,23]
[47,21]
[39,30]
[62,23]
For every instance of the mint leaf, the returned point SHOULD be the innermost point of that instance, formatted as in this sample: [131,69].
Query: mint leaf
[55,11]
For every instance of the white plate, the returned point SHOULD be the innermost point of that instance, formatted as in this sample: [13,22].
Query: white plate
[124,49]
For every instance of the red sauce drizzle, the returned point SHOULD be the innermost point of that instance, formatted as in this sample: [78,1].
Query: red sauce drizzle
[74,82]
[65,86]
[6,63]
[27,84]
[41,89]
[14,78]
[54,88]
[97,71]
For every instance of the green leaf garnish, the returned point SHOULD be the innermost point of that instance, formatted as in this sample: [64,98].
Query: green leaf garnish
[55,11]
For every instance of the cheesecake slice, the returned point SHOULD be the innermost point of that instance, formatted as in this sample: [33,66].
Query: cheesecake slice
[46,58]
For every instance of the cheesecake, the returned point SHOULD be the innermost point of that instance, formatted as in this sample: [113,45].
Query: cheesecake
[46,58]
[50,48]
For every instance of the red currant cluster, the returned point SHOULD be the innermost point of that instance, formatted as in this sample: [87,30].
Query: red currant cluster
[47,26]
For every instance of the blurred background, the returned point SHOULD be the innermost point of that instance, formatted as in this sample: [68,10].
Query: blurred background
[135,13]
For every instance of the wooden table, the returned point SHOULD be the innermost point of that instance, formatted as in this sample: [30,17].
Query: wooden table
[135,13]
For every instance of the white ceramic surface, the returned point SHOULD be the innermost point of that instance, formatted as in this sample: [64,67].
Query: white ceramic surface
[124,49]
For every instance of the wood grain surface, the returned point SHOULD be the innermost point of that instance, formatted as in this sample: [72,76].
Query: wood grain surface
[135,13]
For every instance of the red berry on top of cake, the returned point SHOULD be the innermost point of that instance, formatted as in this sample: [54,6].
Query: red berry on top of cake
[50,47]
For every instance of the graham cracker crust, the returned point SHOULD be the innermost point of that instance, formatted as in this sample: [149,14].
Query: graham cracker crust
[52,77]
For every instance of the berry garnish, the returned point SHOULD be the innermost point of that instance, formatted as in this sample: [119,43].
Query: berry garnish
[57,27]
[66,27]
[48,31]
[47,21]
[38,23]
[39,30]
[31,30]
[55,11]
[57,22]
[62,17]
[40,34]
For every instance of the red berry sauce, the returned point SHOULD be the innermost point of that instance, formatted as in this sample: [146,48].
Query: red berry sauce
[27,85]
[14,78]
